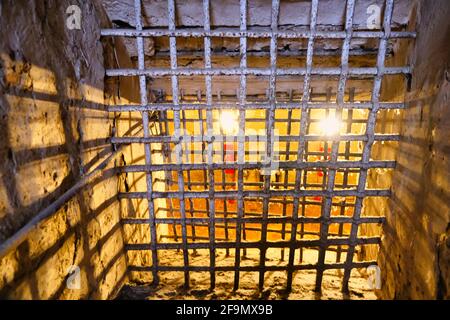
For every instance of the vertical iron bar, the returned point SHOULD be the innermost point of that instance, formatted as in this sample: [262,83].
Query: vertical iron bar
[351,97]
[305,173]
[241,136]
[187,147]
[224,184]
[370,132]
[147,150]
[205,171]
[286,175]
[168,174]
[326,207]
[301,143]
[178,139]
[270,132]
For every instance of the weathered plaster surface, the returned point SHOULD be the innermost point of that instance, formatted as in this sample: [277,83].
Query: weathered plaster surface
[53,129]
[414,257]
[226,13]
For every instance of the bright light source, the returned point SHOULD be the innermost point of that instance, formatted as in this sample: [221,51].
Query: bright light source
[330,126]
[228,122]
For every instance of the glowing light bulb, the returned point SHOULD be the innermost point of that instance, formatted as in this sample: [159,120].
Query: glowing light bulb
[228,122]
[330,126]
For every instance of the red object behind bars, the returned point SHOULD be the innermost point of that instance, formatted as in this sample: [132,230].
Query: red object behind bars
[229,156]
[320,173]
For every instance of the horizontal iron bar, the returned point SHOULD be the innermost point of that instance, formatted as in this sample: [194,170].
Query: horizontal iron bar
[283,120]
[260,33]
[161,72]
[197,151]
[328,266]
[276,185]
[252,138]
[347,166]
[302,243]
[282,52]
[259,194]
[258,214]
[248,166]
[253,105]
[247,228]
[277,220]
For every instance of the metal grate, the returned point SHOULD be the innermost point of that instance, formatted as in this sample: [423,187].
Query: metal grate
[293,160]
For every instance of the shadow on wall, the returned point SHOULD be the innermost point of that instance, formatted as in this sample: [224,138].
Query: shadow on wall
[416,235]
[32,178]
[54,128]
[415,255]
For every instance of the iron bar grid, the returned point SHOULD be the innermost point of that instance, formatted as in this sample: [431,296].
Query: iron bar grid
[293,191]
[252,105]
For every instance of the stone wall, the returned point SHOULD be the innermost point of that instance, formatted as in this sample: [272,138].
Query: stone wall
[54,129]
[414,257]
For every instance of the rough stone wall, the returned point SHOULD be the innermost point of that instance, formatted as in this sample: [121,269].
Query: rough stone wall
[226,13]
[54,129]
[414,257]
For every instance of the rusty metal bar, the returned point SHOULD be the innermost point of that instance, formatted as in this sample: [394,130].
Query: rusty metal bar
[256,245]
[286,176]
[307,153]
[370,131]
[167,174]
[350,121]
[301,144]
[331,175]
[242,118]
[223,182]
[269,130]
[277,120]
[178,138]
[188,172]
[148,154]
[178,145]
[161,72]
[272,220]
[209,125]
[280,201]
[292,152]
[331,266]
[261,194]
[241,134]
